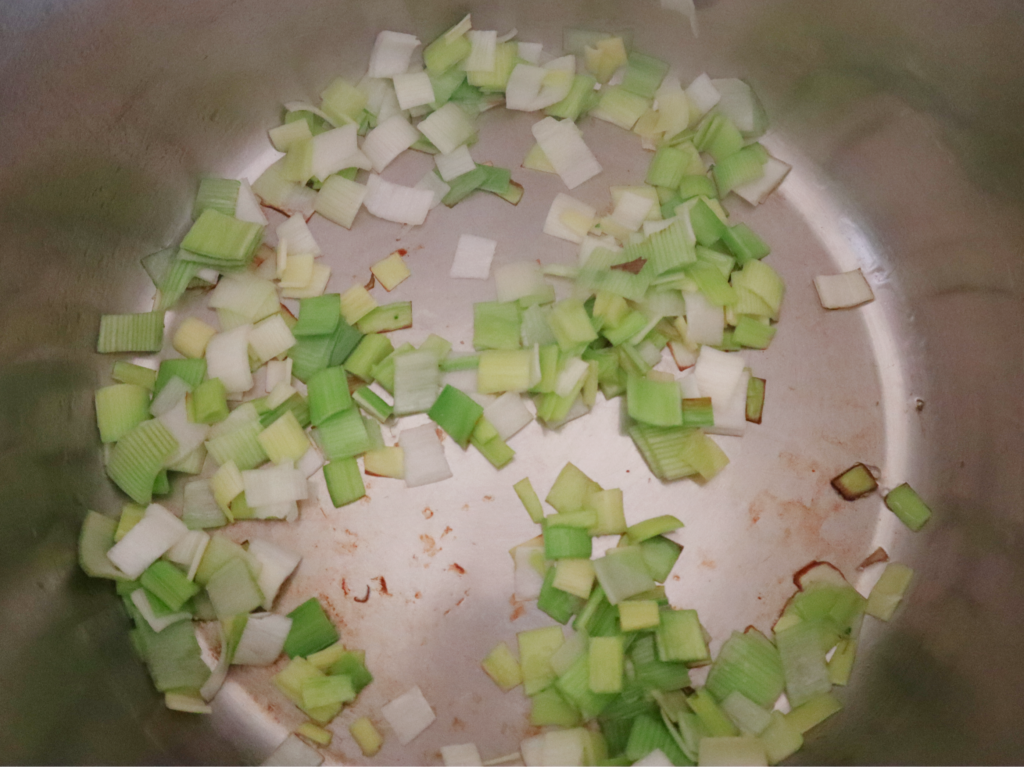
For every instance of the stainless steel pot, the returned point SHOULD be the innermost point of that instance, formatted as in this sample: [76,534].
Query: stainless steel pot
[903,121]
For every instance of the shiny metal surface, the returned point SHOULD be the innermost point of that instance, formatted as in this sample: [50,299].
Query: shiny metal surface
[903,122]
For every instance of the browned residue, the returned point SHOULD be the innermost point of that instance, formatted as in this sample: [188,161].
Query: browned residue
[402,252]
[428,513]
[708,563]
[446,531]
[488,497]
[519,609]
[382,585]
[344,587]
[876,556]
[440,433]
[429,545]
[633,267]
[349,545]
[365,598]
[371,283]
[801,523]
[455,567]
[418,595]
[458,724]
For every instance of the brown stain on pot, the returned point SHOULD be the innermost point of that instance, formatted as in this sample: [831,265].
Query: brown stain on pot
[430,546]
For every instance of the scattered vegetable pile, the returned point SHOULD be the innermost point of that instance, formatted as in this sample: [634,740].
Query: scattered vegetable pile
[254,408]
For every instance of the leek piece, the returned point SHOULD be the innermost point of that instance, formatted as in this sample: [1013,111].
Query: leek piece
[372,350]
[717,136]
[574,685]
[342,102]
[623,573]
[241,445]
[223,239]
[162,484]
[907,505]
[449,127]
[803,661]
[781,739]
[390,271]
[649,733]
[755,399]
[191,371]
[695,186]
[566,542]
[504,370]
[576,102]
[708,228]
[318,316]
[119,409]
[240,509]
[94,541]
[131,515]
[655,402]
[698,412]
[384,462]
[663,449]
[574,576]
[366,736]
[460,187]
[548,707]
[290,680]
[496,325]
[317,734]
[131,333]
[175,282]
[628,327]
[712,283]
[571,489]
[381,319]
[840,665]
[502,666]
[328,394]
[813,712]
[680,637]
[739,168]
[750,664]
[201,509]
[139,456]
[639,615]
[752,334]
[606,662]
[644,74]
[571,324]
[344,482]
[295,404]
[311,630]
[356,303]
[711,716]
[128,373]
[456,413]
[607,505]
[660,555]
[327,657]
[343,435]
[620,107]
[233,590]
[209,402]
[351,664]
[744,244]
[320,691]
[495,80]
[670,248]
[584,518]
[496,180]
[417,382]
[855,482]
[172,655]
[445,52]
[536,646]
[888,592]
[168,584]
[749,717]
[383,372]
[370,402]
[284,440]
[528,496]
[219,551]
[733,750]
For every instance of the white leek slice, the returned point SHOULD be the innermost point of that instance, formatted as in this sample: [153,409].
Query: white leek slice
[173,392]
[461,755]
[508,414]
[482,56]
[275,485]
[718,373]
[702,95]
[524,85]
[569,219]
[245,294]
[227,358]
[448,128]
[843,291]
[283,136]
[297,234]
[632,210]
[564,147]
[270,338]
[530,52]
[473,257]
[731,414]
[388,140]
[317,284]
[331,150]
[189,435]
[279,372]
[705,322]
[141,601]
[262,640]
[147,541]
[391,54]
[520,279]
[339,200]
[528,579]
[673,107]
[311,462]
[401,204]
[423,455]
[409,714]
[278,564]
[413,89]
[305,106]
[453,165]
[247,206]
